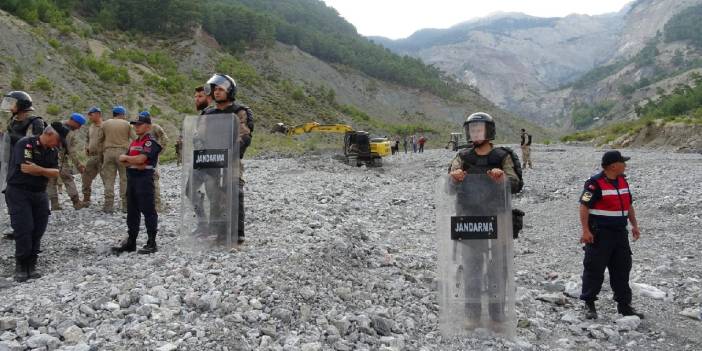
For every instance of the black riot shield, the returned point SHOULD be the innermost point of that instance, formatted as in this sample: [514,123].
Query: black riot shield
[210,179]
[475,272]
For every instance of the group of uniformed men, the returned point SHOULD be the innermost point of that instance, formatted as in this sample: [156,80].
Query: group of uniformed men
[113,147]
[41,154]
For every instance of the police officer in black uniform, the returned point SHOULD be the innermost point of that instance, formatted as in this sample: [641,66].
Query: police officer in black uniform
[605,208]
[222,89]
[34,160]
[141,161]
[22,123]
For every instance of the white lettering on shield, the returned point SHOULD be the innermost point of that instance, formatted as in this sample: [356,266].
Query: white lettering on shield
[210,158]
[474,227]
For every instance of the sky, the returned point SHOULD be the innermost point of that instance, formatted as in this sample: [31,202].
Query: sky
[397,19]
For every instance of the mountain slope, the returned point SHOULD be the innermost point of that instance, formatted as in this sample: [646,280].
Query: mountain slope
[69,69]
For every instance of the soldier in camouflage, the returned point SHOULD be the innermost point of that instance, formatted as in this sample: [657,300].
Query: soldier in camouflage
[93,149]
[68,155]
[116,136]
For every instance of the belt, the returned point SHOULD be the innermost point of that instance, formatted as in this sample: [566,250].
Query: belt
[25,187]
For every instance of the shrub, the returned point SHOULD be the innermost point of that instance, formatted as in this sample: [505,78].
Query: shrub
[53,109]
[42,83]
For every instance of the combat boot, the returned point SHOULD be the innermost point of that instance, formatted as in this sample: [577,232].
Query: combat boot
[32,268]
[627,310]
[55,204]
[150,246]
[77,204]
[591,312]
[21,270]
[86,199]
[128,245]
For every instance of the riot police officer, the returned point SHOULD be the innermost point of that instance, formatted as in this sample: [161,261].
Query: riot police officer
[605,208]
[22,123]
[141,161]
[222,89]
[482,159]
[34,160]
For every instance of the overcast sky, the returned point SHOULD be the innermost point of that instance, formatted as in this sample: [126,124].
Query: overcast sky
[400,18]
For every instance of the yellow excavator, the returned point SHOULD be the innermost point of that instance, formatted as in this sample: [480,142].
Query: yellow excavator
[359,147]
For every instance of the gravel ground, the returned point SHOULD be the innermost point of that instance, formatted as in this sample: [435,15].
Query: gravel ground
[342,258]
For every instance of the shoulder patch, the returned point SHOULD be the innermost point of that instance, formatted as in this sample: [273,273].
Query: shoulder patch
[591,186]
[587,196]
[148,143]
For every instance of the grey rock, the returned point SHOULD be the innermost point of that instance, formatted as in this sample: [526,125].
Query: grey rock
[283,314]
[11,346]
[43,340]
[7,323]
[149,300]
[555,298]
[73,335]
[628,323]
[382,326]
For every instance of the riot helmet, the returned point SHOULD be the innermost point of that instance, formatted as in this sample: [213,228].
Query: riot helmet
[224,81]
[479,128]
[20,99]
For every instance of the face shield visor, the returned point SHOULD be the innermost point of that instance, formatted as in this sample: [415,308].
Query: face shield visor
[8,103]
[476,132]
[217,80]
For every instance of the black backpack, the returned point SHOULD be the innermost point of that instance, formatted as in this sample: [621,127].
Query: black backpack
[517,166]
[249,115]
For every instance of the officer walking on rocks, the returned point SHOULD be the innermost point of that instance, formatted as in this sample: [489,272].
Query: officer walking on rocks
[33,162]
[141,161]
[222,89]
[116,136]
[605,208]
[68,153]
[94,151]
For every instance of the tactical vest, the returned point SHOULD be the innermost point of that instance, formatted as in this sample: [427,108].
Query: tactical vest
[613,207]
[20,129]
[140,146]
[477,164]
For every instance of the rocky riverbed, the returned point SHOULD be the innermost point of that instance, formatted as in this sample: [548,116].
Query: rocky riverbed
[341,258]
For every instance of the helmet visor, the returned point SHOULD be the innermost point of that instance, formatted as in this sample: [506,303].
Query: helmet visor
[217,80]
[8,103]
[476,131]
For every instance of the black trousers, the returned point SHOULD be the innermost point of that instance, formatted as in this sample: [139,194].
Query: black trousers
[140,200]
[610,250]
[29,216]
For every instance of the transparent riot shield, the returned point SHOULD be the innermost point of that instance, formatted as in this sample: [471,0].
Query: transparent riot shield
[4,163]
[475,272]
[210,201]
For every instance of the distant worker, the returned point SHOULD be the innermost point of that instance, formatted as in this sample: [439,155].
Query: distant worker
[404,143]
[414,143]
[158,134]
[141,161]
[34,162]
[605,209]
[422,140]
[178,149]
[94,150]
[116,136]
[222,89]
[68,158]
[526,149]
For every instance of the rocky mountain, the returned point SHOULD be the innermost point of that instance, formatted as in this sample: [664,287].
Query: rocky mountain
[70,67]
[546,69]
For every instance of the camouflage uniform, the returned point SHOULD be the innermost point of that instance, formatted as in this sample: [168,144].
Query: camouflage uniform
[116,136]
[94,149]
[68,152]
[161,138]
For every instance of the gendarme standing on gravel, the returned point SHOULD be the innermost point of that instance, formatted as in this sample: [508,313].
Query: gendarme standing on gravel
[605,208]
[33,162]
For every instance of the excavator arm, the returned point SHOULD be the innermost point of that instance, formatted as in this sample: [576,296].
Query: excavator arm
[311,127]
